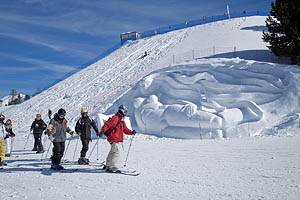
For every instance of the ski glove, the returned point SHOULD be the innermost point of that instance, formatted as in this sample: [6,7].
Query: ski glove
[9,135]
[133,132]
[47,132]
[51,138]
[99,134]
[71,133]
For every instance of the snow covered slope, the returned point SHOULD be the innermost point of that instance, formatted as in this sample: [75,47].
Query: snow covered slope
[103,82]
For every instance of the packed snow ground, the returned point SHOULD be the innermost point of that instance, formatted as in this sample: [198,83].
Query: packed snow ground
[249,168]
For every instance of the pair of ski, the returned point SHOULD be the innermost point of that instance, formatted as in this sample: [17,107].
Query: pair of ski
[122,172]
[97,165]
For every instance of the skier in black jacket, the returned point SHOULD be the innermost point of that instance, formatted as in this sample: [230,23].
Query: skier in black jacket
[83,129]
[38,126]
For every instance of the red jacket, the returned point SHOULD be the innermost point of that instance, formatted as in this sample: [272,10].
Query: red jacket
[117,133]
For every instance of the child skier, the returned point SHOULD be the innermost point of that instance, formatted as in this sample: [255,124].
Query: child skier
[8,137]
[83,129]
[38,126]
[57,130]
[114,129]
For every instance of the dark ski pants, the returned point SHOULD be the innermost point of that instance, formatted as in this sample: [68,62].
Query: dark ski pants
[38,141]
[85,147]
[58,152]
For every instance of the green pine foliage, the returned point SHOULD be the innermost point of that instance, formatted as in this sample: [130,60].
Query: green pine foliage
[284,29]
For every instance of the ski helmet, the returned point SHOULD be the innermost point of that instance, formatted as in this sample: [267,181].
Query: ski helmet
[84,110]
[61,112]
[2,118]
[123,110]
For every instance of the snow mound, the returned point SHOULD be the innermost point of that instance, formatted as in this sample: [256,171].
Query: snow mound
[212,98]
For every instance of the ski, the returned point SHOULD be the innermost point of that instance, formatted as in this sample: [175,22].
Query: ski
[60,171]
[97,164]
[128,173]
[123,172]
[8,166]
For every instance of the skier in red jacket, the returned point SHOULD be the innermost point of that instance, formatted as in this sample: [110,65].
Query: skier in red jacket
[114,129]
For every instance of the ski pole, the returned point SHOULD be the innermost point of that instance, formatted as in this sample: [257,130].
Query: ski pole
[93,148]
[128,151]
[48,149]
[66,150]
[12,143]
[97,149]
[11,146]
[27,140]
[75,149]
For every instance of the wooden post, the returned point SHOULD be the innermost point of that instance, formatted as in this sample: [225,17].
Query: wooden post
[193,52]
[248,130]
[200,131]
[234,51]
[173,59]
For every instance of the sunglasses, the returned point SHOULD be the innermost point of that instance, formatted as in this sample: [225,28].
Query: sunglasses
[61,116]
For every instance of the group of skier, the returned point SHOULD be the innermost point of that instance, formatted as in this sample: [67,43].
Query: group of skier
[113,129]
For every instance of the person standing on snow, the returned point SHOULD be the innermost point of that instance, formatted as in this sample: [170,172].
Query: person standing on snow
[114,129]
[83,129]
[5,133]
[8,137]
[57,130]
[38,126]
[2,143]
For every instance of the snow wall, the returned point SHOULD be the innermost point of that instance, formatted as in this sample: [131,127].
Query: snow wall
[213,98]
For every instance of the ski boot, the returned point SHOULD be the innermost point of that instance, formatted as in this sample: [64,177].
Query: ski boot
[2,163]
[42,151]
[57,167]
[113,170]
[83,161]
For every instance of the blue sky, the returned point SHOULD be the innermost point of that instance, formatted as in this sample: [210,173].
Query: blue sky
[41,40]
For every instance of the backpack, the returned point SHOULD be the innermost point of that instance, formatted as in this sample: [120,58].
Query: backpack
[107,133]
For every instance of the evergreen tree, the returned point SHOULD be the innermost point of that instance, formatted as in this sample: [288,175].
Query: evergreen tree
[284,29]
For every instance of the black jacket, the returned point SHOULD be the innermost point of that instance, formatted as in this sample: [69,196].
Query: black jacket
[83,127]
[38,126]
